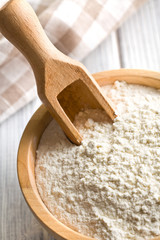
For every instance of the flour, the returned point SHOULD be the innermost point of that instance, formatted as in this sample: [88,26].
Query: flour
[109,187]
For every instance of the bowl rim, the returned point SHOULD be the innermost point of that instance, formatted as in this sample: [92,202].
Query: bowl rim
[30,140]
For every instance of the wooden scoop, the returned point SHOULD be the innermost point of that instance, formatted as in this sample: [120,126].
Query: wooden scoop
[64,85]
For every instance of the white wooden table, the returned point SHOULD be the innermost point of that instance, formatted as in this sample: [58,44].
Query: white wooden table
[135,45]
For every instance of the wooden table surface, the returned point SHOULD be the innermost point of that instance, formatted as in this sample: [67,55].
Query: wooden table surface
[135,45]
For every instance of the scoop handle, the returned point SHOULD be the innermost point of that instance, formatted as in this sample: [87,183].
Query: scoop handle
[20,25]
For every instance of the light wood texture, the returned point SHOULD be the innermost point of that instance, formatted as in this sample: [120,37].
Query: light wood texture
[30,140]
[134,45]
[134,76]
[64,85]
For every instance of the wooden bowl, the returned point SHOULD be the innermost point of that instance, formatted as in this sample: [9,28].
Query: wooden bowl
[30,141]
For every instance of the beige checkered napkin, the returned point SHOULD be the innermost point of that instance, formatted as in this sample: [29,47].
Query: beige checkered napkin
[75,27]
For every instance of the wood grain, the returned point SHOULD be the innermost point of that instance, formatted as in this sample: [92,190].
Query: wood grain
[30,141]
[55,72]
[125,48]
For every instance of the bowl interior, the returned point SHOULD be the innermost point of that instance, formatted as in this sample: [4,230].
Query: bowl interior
[30,140]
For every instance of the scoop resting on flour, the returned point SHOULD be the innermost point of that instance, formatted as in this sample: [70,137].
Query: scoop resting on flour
[64,85]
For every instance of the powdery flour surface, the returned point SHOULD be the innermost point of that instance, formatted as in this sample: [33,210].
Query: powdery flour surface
[109,187]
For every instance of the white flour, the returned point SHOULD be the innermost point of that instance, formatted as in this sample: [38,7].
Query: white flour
[109,187]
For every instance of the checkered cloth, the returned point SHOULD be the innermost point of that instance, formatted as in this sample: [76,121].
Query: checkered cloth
[75,27]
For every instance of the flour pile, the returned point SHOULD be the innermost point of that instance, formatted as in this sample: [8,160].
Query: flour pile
[109,187]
